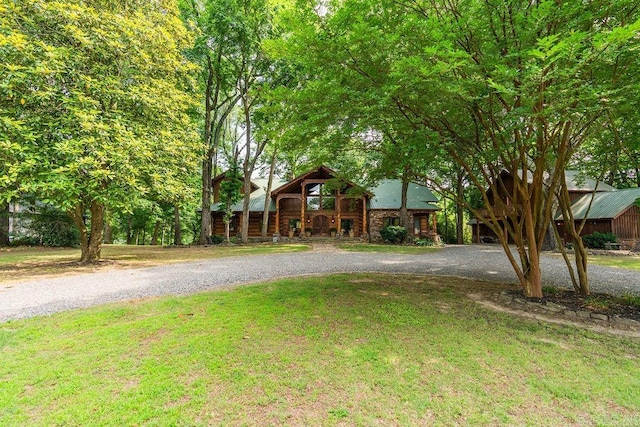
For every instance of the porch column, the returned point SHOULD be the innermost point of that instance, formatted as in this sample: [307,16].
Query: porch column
[339,211]
[278,214]
[302,207]
[364,215]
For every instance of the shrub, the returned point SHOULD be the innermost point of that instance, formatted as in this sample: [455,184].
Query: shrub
[48,226]
[25,241]
[597,240]
[216,240]
[424,242]
[393,234]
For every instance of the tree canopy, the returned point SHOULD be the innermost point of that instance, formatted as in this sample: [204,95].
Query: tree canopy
[94,97]
[496,86]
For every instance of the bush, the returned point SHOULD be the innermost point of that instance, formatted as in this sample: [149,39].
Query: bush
[48,226]
[597,240]
[216,240]
[393,234]
[424,242]
[25,241]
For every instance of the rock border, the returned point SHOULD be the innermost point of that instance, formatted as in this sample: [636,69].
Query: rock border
[548,307]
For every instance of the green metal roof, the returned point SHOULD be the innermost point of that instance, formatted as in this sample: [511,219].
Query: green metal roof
[388,195]
[576,181]
[608,204]
[256,201]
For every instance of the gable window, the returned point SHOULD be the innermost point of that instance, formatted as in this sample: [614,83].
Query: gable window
[320,198]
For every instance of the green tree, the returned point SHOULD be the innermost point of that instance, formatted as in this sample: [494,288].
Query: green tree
[94,99]
[217,53]
[498,86]
[230,194]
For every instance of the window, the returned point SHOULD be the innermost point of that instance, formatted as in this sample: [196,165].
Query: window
[328,203]
[320,198]
[346,225]
[390,220]
[313,203]
[416,225]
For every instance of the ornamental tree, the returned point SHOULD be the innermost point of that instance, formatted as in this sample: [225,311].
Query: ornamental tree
[500,87]
[94,97]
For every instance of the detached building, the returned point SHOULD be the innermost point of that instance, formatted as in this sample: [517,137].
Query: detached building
[607,210]
[614,212]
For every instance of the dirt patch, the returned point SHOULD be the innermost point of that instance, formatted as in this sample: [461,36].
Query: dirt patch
[327,248]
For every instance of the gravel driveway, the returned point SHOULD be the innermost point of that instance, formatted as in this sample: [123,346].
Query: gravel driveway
[486,262]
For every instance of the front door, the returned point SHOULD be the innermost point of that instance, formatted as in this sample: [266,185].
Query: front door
[320,225]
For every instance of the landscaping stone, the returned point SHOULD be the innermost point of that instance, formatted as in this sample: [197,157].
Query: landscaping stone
[551,306]
[599,316]
[554,308]
[507,298]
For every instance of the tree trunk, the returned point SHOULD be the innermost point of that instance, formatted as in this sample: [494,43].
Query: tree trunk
[95,237]
[460,208]
[210,105]
[246,167]
[267,199]
[90,240]
[403,203]
[580,251]
[244,231]
[177,231]
[205,221]
[533,283]
[129,230]
[156,232]
[4,224]
[108,233]
[550,243]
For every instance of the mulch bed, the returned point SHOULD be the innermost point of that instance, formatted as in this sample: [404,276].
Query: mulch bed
[596,303]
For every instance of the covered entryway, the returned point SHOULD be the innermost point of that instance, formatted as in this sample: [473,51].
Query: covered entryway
[320,225]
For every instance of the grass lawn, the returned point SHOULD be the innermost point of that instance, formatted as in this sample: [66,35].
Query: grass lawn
[351,349]
[386,248]
[24,263]
[628,262]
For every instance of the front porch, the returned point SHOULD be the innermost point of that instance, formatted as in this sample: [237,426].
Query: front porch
[319,205]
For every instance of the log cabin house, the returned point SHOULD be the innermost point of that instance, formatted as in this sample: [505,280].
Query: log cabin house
[319,203]
[578,185]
